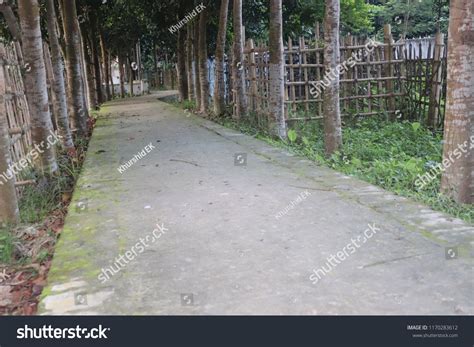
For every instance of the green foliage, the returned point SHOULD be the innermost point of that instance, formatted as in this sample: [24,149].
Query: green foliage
[37,201]
[292,135]
[415,126]
[423,16]
[6,245]
[300,16]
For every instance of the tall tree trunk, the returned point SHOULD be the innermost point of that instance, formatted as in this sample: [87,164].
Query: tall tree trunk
[238,60]
[95,56]
[75,84]
[182,78]
[11,20]
[109,68]
[197,64]
[105,63]
[277,125]
[130,75]
[89,70]
[87,100]
[219,87]
[122,75]
[36,86]
[58,85]
[189,61]
[203,62]
[458,178]
[331,108]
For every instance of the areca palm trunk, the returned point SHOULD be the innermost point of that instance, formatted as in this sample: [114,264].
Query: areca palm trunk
[130,75]
[458,157]
[203,71]
[105,64]
[11,20]
[189,61]
[37,91]
[277,124]
[331,107]
[89,75]
[182,78]
[219,87]
[76,89]
[197,64]
[95,56]
[58,85]
[237,65]
[122,75]
[13,27]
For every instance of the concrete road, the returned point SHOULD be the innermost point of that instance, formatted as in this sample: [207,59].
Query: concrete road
[206,220]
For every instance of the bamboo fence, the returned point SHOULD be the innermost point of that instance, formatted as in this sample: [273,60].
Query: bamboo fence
[15,130]
[401,80]
[14,106]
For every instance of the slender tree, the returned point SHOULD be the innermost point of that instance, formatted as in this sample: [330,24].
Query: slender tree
[197,64]
[238,61]
[93,36]
[181,68]
[122,74]
[105,64]
[331,107]
[89,73]
[11,20]
[219,87]
[458,178]
[130,74]
[88,99]
[76,89]
[203,71]
[58,85]
[35,79]
[277,91]
[189,61]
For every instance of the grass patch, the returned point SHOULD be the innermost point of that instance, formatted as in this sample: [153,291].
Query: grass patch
[37,202]
[6,245]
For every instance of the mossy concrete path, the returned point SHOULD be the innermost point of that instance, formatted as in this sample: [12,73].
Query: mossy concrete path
[206,220]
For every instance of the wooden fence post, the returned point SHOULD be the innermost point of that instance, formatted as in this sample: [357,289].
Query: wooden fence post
[305,73]
[292,95]
[348,87]
[9,212]
[252,76]
[389,71]
[317,38]
[436,82]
